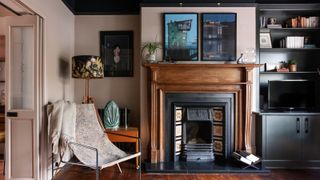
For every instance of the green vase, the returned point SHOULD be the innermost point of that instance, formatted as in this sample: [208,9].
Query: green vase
[111,115]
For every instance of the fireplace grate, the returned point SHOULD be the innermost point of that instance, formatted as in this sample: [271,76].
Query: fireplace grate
[197,152]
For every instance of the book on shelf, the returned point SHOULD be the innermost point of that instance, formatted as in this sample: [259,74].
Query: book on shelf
[304,22]
[292,42]
[246,157]
[273,26]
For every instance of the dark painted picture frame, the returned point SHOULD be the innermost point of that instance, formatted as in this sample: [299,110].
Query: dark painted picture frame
[180,36]
[116,52]
[218,36]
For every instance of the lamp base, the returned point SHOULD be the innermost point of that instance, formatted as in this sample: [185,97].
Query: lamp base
[87,100]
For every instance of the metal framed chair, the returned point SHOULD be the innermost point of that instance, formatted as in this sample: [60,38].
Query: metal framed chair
[92,147]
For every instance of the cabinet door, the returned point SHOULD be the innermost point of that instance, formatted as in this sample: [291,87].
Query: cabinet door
[283,138]
[311,142]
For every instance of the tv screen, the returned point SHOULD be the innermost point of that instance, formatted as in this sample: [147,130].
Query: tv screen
[292,94]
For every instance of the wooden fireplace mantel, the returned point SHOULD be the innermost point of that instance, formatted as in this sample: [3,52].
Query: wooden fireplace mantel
[200,78]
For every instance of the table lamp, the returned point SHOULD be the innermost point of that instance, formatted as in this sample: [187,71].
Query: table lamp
[87,67]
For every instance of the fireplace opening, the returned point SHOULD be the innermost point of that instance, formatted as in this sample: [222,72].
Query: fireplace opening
[197,135]
[198,132]
[199,126]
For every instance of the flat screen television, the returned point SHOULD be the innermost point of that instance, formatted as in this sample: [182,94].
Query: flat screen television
[292,95]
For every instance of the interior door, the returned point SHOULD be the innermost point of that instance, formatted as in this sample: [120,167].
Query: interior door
[23,96]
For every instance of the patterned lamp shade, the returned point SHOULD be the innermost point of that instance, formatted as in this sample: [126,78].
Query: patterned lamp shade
[87,67]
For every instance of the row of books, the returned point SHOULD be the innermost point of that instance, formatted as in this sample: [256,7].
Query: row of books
[292,42]
[296,22]
[304,22]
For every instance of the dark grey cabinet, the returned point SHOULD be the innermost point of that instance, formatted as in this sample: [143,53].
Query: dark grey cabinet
[288,141]
[311,140]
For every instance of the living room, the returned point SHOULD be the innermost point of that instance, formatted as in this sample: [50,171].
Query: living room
[241,80]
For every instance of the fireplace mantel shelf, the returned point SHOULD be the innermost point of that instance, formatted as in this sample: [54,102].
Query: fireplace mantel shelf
[200,78]
[209,65]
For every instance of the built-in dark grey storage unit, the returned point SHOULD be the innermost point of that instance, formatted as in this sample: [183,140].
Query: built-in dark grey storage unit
[288,140]
[306,55]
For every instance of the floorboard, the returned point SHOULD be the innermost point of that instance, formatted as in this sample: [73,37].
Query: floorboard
[130,173]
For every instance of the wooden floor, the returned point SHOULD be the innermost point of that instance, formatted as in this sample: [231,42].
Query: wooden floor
[130,173]
[1,170]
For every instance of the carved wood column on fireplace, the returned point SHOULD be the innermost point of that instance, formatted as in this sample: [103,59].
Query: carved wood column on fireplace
[201,78]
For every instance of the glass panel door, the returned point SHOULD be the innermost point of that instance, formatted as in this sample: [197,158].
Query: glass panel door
[22,68]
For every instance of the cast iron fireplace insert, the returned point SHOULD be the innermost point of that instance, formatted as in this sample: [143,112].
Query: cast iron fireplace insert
[199,126]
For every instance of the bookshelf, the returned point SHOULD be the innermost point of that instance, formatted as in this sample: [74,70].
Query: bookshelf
[306,55]
[274,124]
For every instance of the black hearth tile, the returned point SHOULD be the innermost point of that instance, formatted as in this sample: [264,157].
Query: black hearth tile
[202,167]
[166,167]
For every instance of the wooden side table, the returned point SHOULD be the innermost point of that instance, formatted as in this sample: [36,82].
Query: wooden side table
[130,131]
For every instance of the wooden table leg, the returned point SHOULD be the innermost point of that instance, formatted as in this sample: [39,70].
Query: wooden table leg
[137,158]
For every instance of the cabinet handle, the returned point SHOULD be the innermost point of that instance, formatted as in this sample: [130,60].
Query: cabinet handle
[306,125]
[298,125]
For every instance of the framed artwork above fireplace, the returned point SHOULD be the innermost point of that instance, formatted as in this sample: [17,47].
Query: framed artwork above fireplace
[218,36]
[180,36]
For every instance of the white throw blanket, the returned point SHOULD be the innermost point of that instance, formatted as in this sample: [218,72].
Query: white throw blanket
[62,125]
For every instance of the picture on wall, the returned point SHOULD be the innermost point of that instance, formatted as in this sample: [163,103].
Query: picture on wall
[180,36]
[116,52]
[219,36]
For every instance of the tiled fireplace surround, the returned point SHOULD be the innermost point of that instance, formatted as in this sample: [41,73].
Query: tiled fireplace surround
[199,126]
[230,79]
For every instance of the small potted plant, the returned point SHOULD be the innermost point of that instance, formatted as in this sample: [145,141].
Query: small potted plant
[292,65]
[151,49]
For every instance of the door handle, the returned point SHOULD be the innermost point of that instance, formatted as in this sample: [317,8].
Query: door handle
[298,125]
[12,114]
[306,125]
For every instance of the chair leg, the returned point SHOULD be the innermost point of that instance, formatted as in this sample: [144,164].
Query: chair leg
[97,174]
[119,168]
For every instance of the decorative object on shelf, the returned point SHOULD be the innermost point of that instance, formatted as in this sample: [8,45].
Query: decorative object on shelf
[124,116]
[116,51]
[272,23]
[272,20]
[151,48]
[240,59]
[292,65]
[247,57]
[111,115]
[265,40]
[308,42]
[283,67]
[219,36]
[180,36]
[87,67]
[269,67]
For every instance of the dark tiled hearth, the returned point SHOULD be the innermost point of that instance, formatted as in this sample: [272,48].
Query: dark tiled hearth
[203,167]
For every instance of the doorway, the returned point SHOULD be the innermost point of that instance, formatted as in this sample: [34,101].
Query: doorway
[22,58]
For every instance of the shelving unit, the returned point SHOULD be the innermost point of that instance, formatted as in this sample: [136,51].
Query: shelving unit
[286,139]
[307,59]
